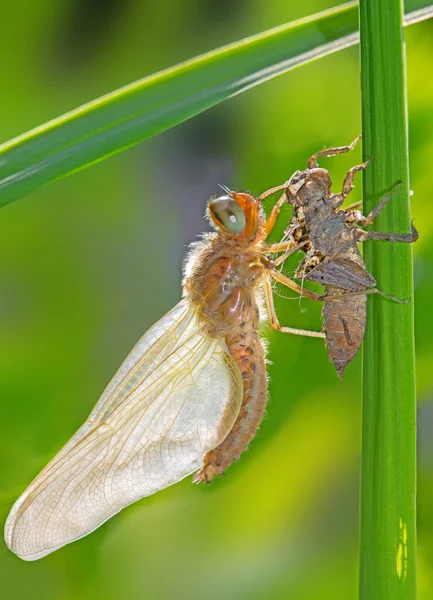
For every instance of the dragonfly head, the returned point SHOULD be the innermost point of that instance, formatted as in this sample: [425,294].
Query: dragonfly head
[235,213]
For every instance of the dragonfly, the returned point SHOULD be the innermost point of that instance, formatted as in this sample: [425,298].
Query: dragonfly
[188,398]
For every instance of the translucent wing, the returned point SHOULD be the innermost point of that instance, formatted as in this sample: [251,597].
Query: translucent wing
[174,398]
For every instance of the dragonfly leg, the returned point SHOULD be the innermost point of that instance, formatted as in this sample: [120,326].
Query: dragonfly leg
[343,295]
[348,186]
[278,247]
[359,218]
[289,252]
[363,236]
[312,162]
[294,286]
[271,220]
[274,319]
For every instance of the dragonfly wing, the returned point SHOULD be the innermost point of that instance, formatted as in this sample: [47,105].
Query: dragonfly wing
[174,398]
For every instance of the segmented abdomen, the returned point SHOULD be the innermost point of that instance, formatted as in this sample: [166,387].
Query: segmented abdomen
[344,325]
[248,352]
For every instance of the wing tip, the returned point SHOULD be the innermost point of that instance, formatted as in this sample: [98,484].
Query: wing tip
[11,539]
[19,549]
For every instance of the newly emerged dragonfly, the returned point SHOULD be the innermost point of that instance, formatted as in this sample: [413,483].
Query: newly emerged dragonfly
[188,398]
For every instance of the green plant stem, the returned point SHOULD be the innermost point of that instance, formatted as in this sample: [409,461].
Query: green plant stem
[154,104]
[388,483]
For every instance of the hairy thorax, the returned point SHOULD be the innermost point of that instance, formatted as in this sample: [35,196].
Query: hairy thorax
[221,280]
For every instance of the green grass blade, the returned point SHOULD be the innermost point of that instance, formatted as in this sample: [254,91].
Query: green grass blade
[156,103]
[388,528]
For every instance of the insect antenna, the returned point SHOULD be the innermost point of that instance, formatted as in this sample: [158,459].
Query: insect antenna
[224,188]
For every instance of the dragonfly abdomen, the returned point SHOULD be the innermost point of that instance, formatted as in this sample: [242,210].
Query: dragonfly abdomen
[245,346]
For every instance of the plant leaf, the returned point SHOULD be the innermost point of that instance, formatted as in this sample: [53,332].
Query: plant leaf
[151,105]
[388,483]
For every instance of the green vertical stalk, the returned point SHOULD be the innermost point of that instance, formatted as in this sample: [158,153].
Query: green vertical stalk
[388,482]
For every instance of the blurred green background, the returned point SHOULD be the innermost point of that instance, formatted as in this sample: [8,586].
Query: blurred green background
[87,264]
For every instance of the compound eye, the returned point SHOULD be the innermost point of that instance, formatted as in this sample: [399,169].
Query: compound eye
[227,213]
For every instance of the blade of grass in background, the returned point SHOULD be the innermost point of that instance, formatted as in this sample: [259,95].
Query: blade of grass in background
[388,528]
[156,103]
